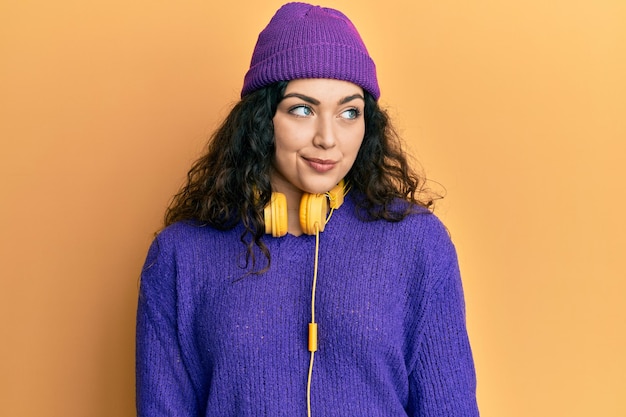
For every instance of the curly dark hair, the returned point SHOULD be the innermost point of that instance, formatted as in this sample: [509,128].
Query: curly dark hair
[230,183]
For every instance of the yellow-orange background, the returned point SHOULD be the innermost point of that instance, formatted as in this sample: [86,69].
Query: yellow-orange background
[517,107]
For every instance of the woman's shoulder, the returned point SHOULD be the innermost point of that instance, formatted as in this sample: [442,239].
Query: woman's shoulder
[419,233]
[419,242]
[424,219]
[189,234]
[423,229]
[181,228]
[413,221]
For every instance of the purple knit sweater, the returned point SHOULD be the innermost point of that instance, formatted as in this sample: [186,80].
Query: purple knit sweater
[392,336]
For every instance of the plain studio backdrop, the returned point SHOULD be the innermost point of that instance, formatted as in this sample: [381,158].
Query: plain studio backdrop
[517,107]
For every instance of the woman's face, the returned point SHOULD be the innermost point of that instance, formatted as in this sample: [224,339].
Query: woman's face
[318,130]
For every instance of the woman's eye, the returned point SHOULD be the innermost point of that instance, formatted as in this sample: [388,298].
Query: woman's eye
[351,114]
[301,111]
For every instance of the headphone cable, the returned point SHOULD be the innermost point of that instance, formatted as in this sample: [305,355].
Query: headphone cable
[312,324]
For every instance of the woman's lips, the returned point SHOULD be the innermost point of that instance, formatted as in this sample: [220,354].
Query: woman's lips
[320,165]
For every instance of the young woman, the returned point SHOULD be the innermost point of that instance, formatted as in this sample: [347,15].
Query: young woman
[300,271]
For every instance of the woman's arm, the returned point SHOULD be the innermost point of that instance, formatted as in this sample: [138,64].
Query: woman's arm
[442,379]
[163,386]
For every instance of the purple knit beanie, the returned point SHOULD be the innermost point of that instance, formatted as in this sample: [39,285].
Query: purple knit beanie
[306,41]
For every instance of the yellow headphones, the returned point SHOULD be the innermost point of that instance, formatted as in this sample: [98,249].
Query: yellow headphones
[313,211]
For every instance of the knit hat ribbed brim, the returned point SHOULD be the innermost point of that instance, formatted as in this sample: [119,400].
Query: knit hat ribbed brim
[306,41]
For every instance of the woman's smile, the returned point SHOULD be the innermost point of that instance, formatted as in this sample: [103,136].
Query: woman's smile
[320,165]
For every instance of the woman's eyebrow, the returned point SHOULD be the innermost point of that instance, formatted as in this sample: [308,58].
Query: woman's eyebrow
[317,102]
[350,98]
[302,97]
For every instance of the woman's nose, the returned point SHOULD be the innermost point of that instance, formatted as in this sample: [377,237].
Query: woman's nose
[325,136]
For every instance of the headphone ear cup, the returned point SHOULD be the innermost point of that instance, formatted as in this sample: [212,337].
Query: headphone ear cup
[313,209]
[275,215]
